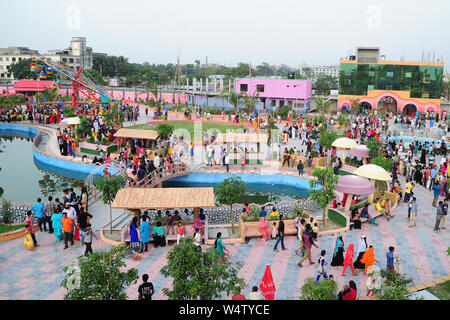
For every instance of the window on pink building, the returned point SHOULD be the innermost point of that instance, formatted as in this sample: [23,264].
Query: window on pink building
[260,87]
[243,87]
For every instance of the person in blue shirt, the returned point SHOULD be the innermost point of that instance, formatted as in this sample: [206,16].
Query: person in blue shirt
[145,234]
[390,260]
[38,210]
[436,193]
[263,212]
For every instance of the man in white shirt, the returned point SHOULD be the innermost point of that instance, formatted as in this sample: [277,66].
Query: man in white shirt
[156,160]
[255,295]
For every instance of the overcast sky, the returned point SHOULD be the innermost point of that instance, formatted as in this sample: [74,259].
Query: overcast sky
[230,31]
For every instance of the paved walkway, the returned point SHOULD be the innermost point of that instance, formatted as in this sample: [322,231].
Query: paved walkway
[38,274]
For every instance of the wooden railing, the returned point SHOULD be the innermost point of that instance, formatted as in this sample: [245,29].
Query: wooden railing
[161,174]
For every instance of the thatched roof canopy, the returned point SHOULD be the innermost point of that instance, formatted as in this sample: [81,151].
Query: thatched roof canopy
[164,198]
[136,134]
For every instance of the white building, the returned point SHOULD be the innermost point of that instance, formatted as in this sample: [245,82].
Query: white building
[12,55]
[314,71]
[76,56]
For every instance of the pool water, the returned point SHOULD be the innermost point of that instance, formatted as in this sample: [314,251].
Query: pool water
[256,193]
[20,178]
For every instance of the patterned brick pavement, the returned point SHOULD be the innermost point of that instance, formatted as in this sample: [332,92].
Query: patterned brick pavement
[38,274]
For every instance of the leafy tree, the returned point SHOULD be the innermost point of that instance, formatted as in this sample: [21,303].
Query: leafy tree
[153,87]
[326,140]
[326,181]
[83,129]
[323,106]
[164,130]
[319,290]
[99,276]
[374,146]
[198,274]
[229,191]
[324,84]
[109,185]
[22,70]
[395,287]
[113,117]
[6,210]
[386,163]
[51,94]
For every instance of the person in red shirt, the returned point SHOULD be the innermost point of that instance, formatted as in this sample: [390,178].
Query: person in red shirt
[239,296]
[180,232]
[350,292]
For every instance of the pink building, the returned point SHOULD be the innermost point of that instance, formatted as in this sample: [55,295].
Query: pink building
[275,93]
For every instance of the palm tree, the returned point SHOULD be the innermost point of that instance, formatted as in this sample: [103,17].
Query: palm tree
[251,101]
[233,98]
[323,106]
[51,94]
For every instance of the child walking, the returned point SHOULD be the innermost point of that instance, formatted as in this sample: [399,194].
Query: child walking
[87,239]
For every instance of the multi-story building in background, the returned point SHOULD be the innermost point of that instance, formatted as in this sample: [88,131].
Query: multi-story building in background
[12,55]
[277,93]
[76,56]
[312,72]
[397,86]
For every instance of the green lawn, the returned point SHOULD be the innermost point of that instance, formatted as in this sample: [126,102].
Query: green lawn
[189,126]
[5,227]
[442,291]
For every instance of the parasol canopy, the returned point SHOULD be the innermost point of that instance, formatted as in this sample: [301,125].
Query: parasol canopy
[69,121]
[354,185]
[360,151]
[344,143]
[267,286]
[372,171]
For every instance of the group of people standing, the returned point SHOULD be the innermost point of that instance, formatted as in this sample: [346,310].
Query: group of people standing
[67,219]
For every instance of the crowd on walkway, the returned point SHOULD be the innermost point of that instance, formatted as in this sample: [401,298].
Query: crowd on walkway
[68,219]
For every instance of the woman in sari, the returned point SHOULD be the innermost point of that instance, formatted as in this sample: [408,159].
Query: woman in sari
[57,225]
[368,258]
[338,255]
[348,261]
[264,229]
[134,238]
[361,249]
[219,247]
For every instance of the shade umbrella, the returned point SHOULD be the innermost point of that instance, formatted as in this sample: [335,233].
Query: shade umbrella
[354,185]
[344,144]
[69,121]
[267,286]
[351,184]
[374,172]
[360,151]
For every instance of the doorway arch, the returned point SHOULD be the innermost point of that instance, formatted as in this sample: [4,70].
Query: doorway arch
[388,104]
[409,109]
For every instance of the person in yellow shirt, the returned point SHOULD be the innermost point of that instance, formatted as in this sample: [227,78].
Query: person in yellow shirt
[380,205]
[274,212]
[408,188]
